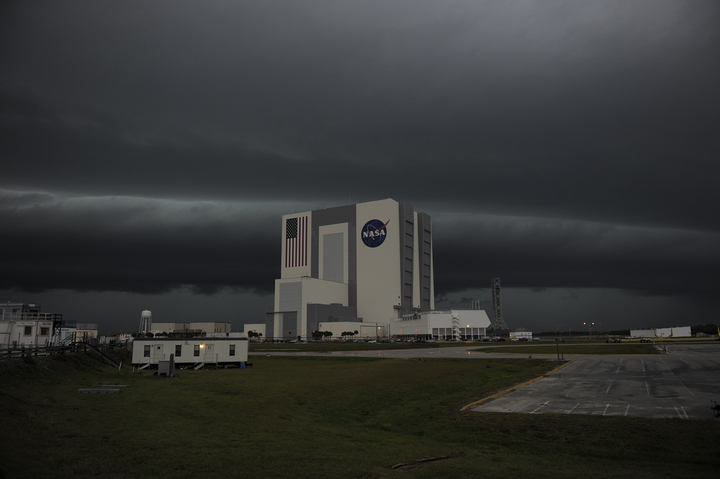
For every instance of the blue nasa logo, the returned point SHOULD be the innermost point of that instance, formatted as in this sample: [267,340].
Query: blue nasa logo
[374,232]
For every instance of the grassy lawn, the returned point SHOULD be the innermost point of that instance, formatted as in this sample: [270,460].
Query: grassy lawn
[321,417]
[575,348]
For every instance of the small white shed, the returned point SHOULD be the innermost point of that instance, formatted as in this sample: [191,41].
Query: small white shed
[196,352]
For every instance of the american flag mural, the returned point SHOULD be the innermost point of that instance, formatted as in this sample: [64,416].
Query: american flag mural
[296,242]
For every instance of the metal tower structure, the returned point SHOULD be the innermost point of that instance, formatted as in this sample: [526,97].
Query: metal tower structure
[499,324]
[145,322]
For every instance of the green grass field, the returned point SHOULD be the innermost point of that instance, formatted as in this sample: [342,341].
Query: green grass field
[321,417]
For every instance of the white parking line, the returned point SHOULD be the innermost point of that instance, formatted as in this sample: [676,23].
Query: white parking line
[626,410]
[688,390]
[681,415]
[647,388]
[540,407]
[608,388]
[606,408]
[573,408]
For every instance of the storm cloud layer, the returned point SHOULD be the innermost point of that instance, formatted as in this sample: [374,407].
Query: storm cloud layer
[149,146]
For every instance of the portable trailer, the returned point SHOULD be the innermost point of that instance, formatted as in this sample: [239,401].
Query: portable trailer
[198,353]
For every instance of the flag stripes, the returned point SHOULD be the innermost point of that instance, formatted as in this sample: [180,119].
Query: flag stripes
[296,242]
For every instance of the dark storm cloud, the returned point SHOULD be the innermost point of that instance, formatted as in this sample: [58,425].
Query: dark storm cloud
[141,246]
[547,253]
[604,110]
[147,145]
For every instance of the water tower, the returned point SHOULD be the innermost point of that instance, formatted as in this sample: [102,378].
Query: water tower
[145,322]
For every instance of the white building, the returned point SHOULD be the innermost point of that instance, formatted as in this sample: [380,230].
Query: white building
[363,331]
[442,325]
[198,328]
[663,333]
[22,325]
[368,262]
[190,351]
[521,335]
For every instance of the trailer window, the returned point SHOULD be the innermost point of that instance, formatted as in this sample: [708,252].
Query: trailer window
[146,351]
[232,350]
[44,331]
[178,350]
[196,350]
[28,330]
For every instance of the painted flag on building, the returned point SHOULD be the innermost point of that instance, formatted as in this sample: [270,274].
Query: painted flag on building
[296,242]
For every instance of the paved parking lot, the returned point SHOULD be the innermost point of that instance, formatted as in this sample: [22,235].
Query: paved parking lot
[679,384]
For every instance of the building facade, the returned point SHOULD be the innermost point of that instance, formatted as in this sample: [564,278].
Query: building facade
[194,328]
[452,325]
[662,333]
[200,351]
[23,325]
[368,262]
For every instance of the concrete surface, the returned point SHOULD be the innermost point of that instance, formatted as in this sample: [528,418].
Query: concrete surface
[679,384]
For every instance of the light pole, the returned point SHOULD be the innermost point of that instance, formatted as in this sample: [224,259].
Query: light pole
[589,325]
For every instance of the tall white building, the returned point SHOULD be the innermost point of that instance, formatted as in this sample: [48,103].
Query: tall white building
[369,262]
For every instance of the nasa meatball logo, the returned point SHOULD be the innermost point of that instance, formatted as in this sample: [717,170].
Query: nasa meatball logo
[374,233]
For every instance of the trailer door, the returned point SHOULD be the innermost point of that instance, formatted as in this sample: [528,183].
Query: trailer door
[158,353]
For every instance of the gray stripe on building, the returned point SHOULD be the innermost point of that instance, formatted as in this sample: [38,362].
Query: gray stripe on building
[425,259]
[334,216]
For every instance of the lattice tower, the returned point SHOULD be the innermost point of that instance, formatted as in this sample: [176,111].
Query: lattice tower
[497,306]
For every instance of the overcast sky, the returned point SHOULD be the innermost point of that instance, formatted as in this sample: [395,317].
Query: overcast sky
[569,148]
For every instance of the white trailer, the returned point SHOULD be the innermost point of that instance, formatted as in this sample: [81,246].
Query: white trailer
[195,352]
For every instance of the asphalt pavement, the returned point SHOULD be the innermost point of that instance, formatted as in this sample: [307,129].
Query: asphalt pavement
[680,384]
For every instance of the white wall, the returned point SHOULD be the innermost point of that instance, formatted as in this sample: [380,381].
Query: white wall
[14,331]
[311,291]
[378,269]
[365,331]
[679,332]
[161,349]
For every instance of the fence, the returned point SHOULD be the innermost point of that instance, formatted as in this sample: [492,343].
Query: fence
[23,353]
[86,345]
